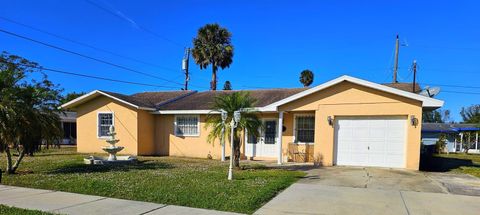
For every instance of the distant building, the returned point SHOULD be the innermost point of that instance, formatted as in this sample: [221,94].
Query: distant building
[69,125]
[431,132]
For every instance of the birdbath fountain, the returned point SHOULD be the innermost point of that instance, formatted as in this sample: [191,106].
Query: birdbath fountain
[112,151]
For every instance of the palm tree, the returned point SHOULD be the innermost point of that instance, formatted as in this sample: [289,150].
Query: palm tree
[213,46]
[231,102]
[227,85]
[28,113]
[306,78]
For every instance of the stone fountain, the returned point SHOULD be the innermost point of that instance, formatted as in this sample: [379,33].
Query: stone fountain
[112,151]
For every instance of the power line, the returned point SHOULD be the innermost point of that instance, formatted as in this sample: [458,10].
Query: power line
[447,85]
[86,56]
[122,16]
[98,77]
[458,92]
[86,45]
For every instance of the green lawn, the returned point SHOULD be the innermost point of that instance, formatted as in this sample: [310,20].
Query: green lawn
[189,182]
[14,211]
[456,162]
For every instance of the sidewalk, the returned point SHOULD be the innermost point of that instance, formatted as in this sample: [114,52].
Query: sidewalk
[72,203]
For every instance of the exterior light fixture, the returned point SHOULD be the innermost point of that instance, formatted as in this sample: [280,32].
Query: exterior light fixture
[330,120]
[236,117]
[224,115]
[413,120]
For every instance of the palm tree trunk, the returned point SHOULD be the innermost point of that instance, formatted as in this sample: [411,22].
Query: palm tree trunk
[213,84]
[19,159]
[8,155]
[236,156]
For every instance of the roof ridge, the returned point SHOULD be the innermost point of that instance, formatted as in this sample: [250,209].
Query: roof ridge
[173,91]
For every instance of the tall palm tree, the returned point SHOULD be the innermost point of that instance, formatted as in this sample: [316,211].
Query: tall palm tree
[213,46]
[231,102]
[306,78]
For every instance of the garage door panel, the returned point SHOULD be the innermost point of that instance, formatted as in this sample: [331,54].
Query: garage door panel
[370,141]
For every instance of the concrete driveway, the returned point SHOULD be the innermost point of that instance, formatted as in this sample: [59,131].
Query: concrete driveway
[350,190]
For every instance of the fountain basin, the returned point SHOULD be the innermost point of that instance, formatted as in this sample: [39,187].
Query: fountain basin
[95,160]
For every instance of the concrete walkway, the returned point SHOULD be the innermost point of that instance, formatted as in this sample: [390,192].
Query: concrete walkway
[72,203]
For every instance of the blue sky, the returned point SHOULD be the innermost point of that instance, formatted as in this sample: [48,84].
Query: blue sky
[274,41]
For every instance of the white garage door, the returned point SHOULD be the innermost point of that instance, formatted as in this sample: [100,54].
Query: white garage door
[370,141]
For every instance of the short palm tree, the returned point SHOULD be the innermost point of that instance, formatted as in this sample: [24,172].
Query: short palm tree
[213,46]
[28,110]
[306,77]
[231,102]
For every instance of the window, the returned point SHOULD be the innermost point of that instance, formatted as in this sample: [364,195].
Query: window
[105,120]
[304,129]
[187,125]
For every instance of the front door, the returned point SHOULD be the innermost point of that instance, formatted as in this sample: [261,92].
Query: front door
[263,146]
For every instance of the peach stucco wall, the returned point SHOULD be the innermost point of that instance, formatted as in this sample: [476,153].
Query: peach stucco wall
[125,120]
[347,99]
[192,146]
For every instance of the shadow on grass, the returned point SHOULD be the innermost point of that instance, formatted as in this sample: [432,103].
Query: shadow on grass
[85,168]
[444,164]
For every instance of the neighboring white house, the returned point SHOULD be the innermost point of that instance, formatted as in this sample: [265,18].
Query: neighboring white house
[455,135]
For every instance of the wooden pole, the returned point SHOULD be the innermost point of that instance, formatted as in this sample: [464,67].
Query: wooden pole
[395,67]
[414,75]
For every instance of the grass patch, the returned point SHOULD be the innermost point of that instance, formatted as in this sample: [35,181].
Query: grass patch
[199,183]
[455,162]
[14,211]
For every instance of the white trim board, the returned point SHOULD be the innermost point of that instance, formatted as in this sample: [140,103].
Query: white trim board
[94,94]
[426,101]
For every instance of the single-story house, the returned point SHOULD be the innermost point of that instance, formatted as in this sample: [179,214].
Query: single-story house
[454,133]
[345,121]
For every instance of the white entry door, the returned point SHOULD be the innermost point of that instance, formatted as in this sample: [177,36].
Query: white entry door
[265,144]
[370,141]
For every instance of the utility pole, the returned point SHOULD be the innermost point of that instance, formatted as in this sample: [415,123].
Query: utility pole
[414,67]
[395,66]
[185,60]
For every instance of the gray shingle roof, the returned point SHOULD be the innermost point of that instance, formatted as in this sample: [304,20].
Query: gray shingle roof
[448,127]
[149,99]
[205,100]
[404,86]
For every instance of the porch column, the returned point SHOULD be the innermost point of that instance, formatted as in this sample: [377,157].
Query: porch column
[279,139]
[223,143]
[476,140]
[461,142]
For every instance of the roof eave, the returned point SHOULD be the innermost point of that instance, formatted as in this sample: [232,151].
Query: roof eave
[95,93]
[426,101]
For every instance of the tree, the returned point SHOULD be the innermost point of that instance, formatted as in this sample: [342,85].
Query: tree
[213,46]
[441,143]
[231,102]
[227,86]
[28,110]
[471,114]
[436,116]
[306,78]
[70,96]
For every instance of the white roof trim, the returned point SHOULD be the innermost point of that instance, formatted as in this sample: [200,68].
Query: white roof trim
[98,92]
[426,101]
[186,112]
